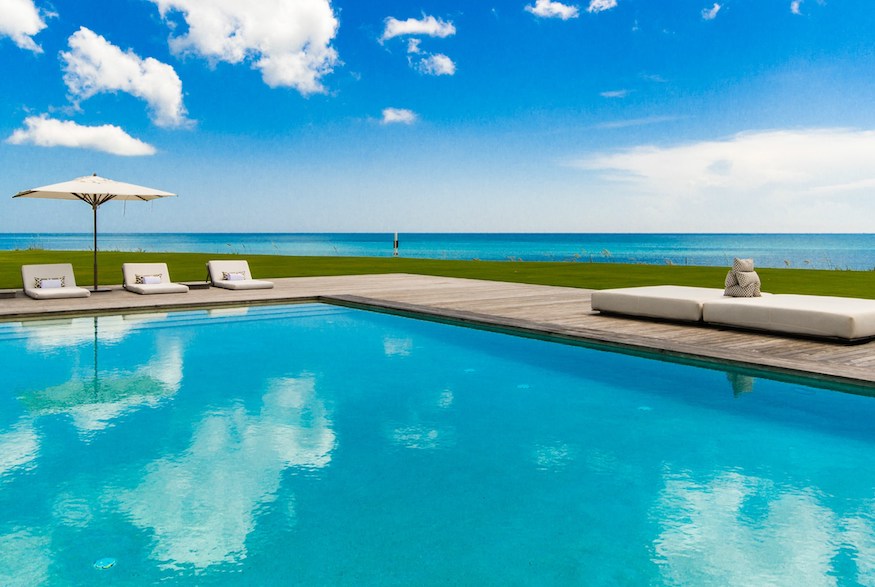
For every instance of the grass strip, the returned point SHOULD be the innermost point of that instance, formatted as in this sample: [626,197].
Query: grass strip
[191,267]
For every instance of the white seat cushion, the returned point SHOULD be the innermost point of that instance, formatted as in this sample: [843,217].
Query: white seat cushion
[156,288]
[826,316]
[57,293]
[244,284]
[670,302]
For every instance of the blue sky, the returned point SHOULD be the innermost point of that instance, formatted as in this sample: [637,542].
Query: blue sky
[318,115]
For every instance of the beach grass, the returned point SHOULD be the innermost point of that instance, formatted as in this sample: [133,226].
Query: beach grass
[191,267]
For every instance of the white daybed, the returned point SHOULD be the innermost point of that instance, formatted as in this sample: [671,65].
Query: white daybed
[150,278]
[55,281]
[848,319]
[234,274]
[669,302]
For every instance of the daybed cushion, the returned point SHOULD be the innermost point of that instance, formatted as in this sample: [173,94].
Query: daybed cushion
[132,270]
[671,302]
[218,271]
[826,316]
[30,273]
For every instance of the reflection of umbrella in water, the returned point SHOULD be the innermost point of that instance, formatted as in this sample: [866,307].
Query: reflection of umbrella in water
[99,397]
[94,191]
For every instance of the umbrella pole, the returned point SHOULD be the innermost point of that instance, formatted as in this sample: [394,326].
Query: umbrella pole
[94,210]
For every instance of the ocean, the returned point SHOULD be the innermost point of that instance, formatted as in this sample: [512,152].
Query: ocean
[813,251]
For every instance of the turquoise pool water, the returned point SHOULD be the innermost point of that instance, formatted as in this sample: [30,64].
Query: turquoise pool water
[316,445]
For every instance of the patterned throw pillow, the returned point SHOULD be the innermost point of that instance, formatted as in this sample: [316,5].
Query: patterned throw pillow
[742,281]
[233,275]
[746,278]
[38,282]
[148,279]
[738,291]
[742,264]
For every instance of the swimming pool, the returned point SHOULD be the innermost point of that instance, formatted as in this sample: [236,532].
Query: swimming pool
[316,445]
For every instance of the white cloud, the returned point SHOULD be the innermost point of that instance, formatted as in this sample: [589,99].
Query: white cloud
[94,65]
[787,158]
[629,122]
[289,42]
[601,5]
[48,132]
[614,94]
[20,20]
[654,77]
[231,470]
[26,555]
[711,13]
[550,9]
[21,447]
[796,6]
[707,536]
[427,63]
[818,180]
[427,25]
[398,116]
[438,64]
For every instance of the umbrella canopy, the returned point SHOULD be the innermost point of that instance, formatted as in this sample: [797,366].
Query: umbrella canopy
[94,190]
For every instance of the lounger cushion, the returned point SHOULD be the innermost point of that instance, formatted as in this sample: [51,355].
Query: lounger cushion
[57,293]
[245,284]
[670,302]
[223,273]
[135,274]
[34,276]
[156,288]
[834,317]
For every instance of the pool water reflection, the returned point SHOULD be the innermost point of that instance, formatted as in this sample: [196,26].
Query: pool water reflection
[319,445]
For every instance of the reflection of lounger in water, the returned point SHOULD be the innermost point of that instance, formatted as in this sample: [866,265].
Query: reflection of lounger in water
[226,312]
[70,332]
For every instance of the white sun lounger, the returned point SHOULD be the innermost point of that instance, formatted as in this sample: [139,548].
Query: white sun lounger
[848,319]
[150,278]
[668,302]
[234,274]
[46,282]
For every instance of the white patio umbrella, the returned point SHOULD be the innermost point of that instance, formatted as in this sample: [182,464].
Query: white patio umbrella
[94,190]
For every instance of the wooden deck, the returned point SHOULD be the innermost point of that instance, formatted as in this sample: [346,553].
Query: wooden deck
[533,310]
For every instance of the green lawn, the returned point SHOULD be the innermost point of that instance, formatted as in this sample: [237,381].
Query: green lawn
[190,267]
